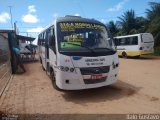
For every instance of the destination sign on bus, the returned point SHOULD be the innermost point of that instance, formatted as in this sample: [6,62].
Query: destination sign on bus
[72,26]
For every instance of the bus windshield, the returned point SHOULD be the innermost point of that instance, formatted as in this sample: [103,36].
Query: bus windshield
[83,36]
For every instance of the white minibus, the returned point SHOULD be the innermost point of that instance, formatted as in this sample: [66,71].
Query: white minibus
[78,53]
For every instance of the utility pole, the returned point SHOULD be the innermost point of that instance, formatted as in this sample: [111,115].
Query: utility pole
[10,9]
[15,27]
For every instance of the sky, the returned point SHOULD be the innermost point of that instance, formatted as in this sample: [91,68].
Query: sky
[31,16]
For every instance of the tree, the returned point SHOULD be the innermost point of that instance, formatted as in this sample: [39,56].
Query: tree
[141,24]
[153,19]
[128,21]
[112,28]
[154,11]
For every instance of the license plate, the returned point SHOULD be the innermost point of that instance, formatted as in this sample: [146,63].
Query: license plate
[95,77]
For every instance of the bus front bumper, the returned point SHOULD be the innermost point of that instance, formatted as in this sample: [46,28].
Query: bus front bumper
[76,81]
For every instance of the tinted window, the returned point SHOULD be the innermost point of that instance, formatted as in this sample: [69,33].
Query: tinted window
[128,41]
[41,40]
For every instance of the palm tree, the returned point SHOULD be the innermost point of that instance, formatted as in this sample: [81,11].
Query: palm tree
[153,19]
[128,21]
[141,24]
[112,28]
[154,11]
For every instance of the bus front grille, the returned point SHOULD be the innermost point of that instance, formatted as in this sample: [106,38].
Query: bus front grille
[94,70]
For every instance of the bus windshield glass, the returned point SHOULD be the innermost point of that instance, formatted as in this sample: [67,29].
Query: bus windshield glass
[84,36]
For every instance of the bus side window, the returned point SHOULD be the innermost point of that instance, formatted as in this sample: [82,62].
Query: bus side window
[122,41]
[141,35]
[47,34]
[135,40]
[127,41]
[42,39]
[39,40]
[51,39]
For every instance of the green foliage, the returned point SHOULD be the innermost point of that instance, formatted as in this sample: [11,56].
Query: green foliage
[154,11]
[157,51]
[153,17]
[129,23]
[141,24]
[112,28]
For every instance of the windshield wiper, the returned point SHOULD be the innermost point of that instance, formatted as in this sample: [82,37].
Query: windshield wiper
[83,47]
[104,48]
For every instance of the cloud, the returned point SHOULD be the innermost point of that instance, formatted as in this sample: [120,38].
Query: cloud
[4,17]
[77,14]
[29,18]
[55,15]
[117,7]
[31,9]
[35,30]
[102,20]
[34,33]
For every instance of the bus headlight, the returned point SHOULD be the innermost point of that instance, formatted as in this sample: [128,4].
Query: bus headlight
[115,65]
[66,69]
[71,69]
[61,68]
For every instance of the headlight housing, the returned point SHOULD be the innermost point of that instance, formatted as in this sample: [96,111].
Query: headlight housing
[66,69]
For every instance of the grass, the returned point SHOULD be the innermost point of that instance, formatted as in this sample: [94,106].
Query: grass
[157,51]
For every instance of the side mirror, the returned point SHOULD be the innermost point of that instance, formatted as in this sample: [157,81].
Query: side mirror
[52,43]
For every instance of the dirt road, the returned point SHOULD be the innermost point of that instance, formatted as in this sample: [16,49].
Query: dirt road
[137,91]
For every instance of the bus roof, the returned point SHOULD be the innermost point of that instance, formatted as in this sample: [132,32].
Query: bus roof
[130,35]
[69,18]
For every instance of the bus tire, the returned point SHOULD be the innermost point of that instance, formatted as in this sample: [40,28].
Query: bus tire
[53,79]
[124,54]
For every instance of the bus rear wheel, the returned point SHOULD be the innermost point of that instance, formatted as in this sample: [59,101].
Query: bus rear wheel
[53,79]
[124,54]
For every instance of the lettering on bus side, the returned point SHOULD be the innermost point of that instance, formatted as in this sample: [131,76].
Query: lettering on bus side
[73,26]
[95,60]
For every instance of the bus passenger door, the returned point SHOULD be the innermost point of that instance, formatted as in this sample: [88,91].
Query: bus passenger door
[42,50]
[47,50]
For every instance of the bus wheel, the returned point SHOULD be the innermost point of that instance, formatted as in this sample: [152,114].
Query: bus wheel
[124,54]
[53,79]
